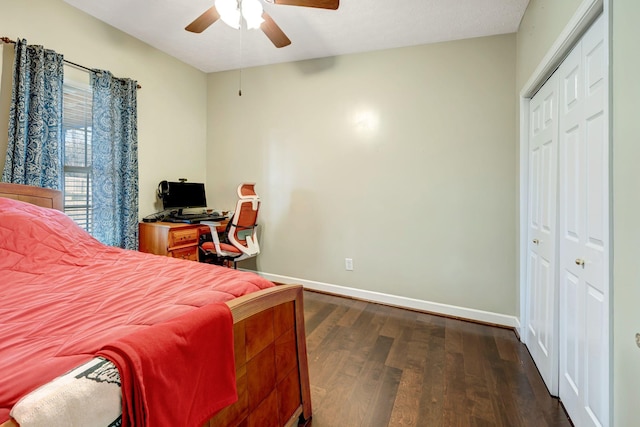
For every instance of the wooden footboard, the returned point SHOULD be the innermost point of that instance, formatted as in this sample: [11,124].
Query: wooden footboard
[272,372]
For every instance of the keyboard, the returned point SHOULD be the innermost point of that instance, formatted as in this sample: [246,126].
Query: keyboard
[194,218]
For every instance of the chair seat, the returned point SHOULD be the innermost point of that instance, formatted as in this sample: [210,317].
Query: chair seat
[209,247]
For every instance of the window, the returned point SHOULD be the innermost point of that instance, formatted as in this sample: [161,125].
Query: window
[76,152]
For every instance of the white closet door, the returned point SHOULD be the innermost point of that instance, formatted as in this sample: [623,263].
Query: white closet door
[541,327]
[584,231]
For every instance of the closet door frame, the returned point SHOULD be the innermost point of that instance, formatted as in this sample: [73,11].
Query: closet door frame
[587,12]
[585,15]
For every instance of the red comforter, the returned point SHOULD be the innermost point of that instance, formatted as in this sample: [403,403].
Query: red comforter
[64,296]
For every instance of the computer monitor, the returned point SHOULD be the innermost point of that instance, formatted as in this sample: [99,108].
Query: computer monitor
[183,195]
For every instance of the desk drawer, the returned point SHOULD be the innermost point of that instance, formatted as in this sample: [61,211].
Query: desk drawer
[190,253]
[183,237]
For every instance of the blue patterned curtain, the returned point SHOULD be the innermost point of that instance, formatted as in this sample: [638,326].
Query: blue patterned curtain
[34,152]
[115,160]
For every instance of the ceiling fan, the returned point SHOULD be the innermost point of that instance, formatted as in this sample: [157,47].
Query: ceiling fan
[233,11]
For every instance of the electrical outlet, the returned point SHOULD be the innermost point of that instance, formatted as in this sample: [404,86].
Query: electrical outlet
[348,264]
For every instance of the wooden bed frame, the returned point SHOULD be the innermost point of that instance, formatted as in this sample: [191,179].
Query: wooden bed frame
[272,374]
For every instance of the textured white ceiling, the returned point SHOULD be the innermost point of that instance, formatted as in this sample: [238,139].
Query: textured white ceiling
[357,26]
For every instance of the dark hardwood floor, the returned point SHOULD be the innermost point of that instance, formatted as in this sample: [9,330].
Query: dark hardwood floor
[372,365]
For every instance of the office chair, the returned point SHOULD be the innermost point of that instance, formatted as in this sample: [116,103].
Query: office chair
[240,240]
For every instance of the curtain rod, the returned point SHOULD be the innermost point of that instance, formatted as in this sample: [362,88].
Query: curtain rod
[9,41]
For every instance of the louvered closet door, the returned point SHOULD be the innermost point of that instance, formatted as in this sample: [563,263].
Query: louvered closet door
[584,231]
[541,323]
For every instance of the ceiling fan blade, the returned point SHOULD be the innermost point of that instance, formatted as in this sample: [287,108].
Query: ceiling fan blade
[275,34]
[203,21]
[320,4]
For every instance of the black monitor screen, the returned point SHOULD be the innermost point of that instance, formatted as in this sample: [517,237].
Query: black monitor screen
[184,195]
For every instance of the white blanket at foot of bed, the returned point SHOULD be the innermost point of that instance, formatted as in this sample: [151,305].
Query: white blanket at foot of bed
[87,396]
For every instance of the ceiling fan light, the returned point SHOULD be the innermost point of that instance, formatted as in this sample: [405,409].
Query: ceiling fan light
[252,13]
[229,13]
[254,22]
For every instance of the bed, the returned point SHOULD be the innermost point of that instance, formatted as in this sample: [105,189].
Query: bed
[254,328]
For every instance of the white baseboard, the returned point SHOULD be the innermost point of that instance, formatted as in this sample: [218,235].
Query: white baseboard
[400,301]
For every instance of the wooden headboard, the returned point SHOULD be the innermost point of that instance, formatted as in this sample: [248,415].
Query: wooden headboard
[35,195]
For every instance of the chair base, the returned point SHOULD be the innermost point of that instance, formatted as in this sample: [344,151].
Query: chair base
[211,258]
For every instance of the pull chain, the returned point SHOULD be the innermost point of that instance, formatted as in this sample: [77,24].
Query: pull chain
[240,71]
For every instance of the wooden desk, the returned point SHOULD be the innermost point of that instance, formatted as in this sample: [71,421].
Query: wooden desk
[176,240]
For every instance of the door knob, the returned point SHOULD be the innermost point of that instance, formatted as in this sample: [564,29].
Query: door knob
[580,262]
[536,241]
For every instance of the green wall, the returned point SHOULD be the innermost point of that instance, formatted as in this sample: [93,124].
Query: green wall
[626,210]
